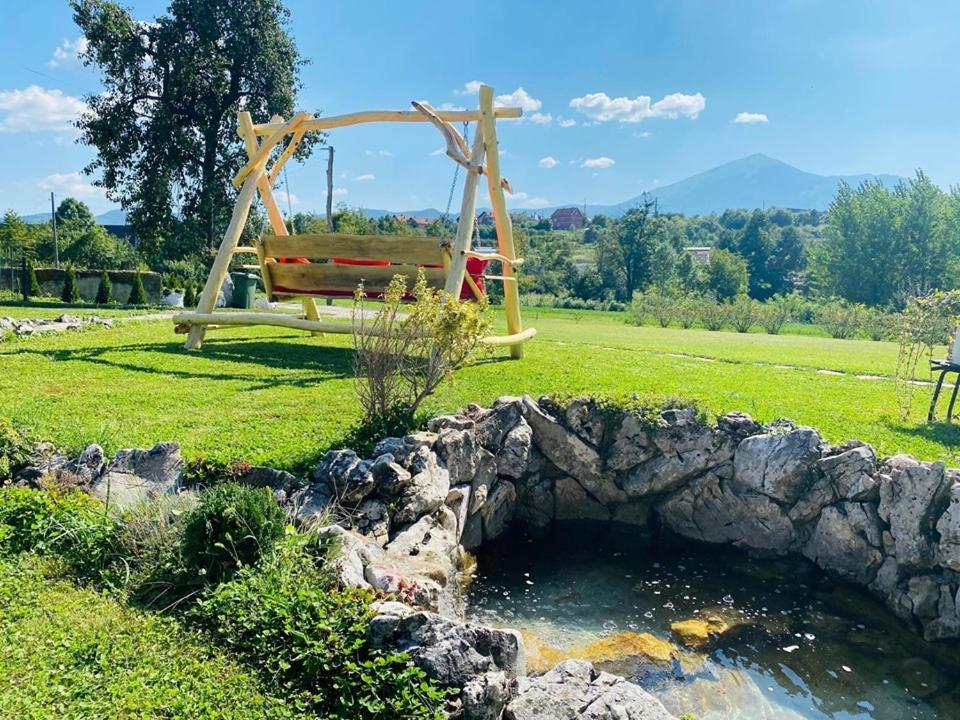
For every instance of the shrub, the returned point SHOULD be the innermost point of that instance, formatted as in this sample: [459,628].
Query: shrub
[138,294]
[400,360]
[31,282]
[686,311]
[16,450]
[71,293]
[206,472]
[880,324]
[105,291]
[714,315]
[744,313]
[232,527]
[286,618]
[661,307]
[190,295]
[396,422]
[775,312]
[638,308]
[72,525]
[841,319]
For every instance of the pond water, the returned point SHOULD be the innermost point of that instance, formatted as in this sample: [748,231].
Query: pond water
[798,645]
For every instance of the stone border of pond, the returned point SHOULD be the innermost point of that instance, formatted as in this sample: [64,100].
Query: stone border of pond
[408,516]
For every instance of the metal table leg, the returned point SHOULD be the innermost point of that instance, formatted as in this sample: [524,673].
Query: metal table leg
[936,395]
[953,399]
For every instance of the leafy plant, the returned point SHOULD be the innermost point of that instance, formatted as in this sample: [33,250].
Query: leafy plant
[880,324]
[32,284]
[661,306]
[231,528]
[16,450]
[71,293]
[841,319]
[714,315]
[207,472]
[744,314]
[72,525]
[190,295]
[105,291]
[925,323]
[401,359]
[775,313]
[287,619]
[686,311]
[138,294]
[638,308]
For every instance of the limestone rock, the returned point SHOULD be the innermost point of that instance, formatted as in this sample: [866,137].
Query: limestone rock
[739,425]
[312,504]
[350,555]
[574,690]
[911,502]
[425,549]
[427,488]
[836,546]
[458,500]
[575,503]
[493,428]
[851,473]
[135,475]
[569,453]
[631,444]
[349,477]
[777,464]
[452,653]
[708,625]
[535,501]
[586,419]
[457,449]
[484,697]
[948,527]
[498,511]
[88,465]
[453,422]
[711,510]
[372,518]
[702,451]
[514,457]
[277,480]
[484,479]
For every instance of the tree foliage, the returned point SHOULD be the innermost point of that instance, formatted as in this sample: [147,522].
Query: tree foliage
[164,127]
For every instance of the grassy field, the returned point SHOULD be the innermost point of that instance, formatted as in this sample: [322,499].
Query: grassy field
[274,396]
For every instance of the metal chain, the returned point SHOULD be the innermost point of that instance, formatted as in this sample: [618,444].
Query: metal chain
[456,174]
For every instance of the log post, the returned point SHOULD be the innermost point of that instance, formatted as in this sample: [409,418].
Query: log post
[468,215]
[511,293]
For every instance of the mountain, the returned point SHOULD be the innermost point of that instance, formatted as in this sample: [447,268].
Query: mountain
[110,217]
[429,213]
[755,181]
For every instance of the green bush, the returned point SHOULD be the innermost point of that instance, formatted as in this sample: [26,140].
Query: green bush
[190,296]
[638,308]
[105,291]
[16,450]
[72,525]
[744,313]
[231,528]
[714,315]
[396,422]
[287,619]
[841,319]
[32,284]
[775,313]
[71,293]
[73,653]
[138,294]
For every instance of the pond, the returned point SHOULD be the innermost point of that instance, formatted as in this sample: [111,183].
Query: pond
[787,642]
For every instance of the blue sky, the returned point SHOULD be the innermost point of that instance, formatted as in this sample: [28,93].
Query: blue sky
[621,97]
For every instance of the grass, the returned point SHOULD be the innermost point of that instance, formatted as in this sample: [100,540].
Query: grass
[71,653]
[279,397]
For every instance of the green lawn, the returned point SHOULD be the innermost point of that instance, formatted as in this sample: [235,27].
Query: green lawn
[280,397]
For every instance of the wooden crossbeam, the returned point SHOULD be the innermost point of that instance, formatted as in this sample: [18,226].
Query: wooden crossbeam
[371,116]
[395,249]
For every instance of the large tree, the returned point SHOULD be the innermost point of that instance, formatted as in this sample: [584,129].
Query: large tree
[164,129]
[636,252]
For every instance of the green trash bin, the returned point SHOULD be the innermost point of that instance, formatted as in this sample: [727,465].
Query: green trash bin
[244,289]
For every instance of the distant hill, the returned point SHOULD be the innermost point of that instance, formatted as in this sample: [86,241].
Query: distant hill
[110,217]
[429,213]
[756,181]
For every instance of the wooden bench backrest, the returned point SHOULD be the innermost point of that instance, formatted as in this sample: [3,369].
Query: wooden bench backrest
[407,255]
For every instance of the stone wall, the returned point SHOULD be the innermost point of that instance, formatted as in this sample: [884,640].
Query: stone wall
[88,283]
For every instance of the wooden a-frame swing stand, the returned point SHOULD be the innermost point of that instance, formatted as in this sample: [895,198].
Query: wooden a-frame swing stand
[443,262]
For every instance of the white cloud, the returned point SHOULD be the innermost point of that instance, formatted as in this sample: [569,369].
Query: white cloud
[438,151]
[379,153]
[749,118]
[339,192]
[519,98]
[548,162]
[470,88]
[644,134]
[601,162]
[536,202]
[602,108]
[541,118]
[36,109]
[366,176]
[522,199]
[285,200]
[450,107]
[71,184]
[69,52]
[566,122]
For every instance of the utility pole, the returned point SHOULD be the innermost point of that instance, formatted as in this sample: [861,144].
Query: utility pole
[56,244]
[330,188]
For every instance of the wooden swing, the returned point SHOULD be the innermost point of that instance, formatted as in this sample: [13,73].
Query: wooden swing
[334,264]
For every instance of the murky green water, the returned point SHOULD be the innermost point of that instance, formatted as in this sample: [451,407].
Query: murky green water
[807,647]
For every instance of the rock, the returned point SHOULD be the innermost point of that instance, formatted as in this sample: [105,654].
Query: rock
[631,444]
[493,428]
[711,510]
[458,500]
[575,503]
[851,473]
[135,475]
[350,555]
[707,626]
[739,425]
[514,457]
[349,477]
[912,500]
[484,479]
[948,527]
[389,477]
[451,653]
[587,420]
[472,536]
[372,518]
[390,580]
[450,422]
[277,480]
[425,549]
[777,464]
[574,690]
[947,623]
[426,490]
[312,504]
[700,451]
[609,649]
[836,546]
[498,511]
[920,678]
[535,502]
[570,454]
[484,697]
[88,465]
[457,449]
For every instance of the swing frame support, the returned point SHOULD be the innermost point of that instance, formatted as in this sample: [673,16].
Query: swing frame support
[255,178]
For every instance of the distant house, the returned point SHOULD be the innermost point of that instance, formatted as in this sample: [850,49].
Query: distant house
[485,218]
[569,218]
[420,223]
[699,254]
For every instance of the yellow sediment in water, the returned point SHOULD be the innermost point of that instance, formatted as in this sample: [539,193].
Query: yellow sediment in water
[542,657]
[697,632]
